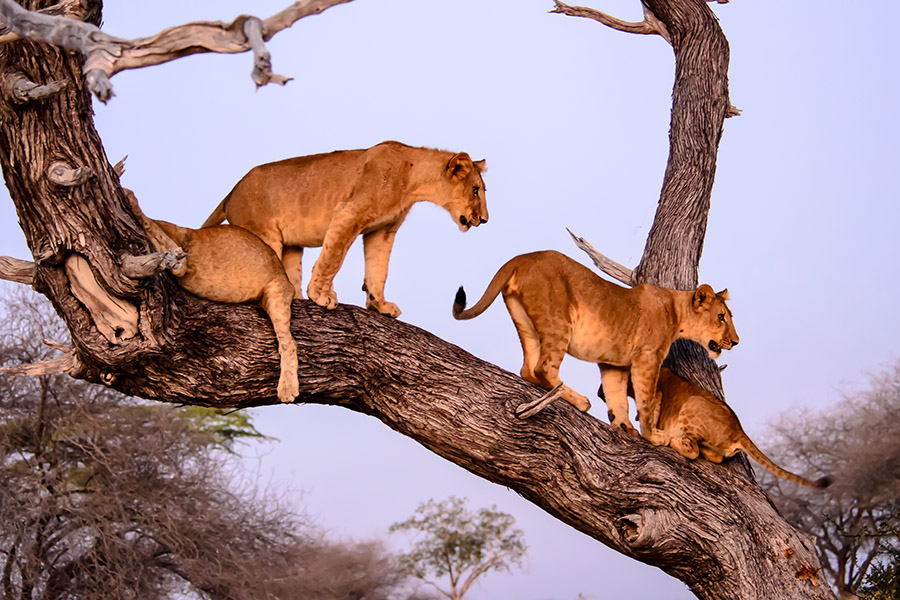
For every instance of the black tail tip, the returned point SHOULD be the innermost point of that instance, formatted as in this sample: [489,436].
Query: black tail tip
[824,482]
[459,303]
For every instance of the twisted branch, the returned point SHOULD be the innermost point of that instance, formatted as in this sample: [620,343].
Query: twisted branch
[650,24]
[106,55]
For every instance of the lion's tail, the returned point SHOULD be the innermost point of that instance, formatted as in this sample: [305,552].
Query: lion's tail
[497,284]
[218,215]
[750,448]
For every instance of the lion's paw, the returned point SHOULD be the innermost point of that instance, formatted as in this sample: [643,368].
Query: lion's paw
[627,427]
[288,388]
[322,297]
[386,308]
[658,437]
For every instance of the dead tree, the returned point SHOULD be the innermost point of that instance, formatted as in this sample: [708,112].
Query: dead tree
[135,330]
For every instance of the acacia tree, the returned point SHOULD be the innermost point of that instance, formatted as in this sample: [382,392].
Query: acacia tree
[856,520]
[135,330]
[452,541]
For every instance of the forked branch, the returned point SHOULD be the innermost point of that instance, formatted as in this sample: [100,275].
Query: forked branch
[106,55]
[650,24]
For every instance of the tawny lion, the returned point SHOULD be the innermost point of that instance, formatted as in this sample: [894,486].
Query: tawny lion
[696,423]
[559,306]
[329,199]
[230,264]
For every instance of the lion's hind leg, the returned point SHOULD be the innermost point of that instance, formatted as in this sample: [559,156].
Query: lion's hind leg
[292,259]
[276,301]
[528,337]
[553,348]
[711,454]
[685,446]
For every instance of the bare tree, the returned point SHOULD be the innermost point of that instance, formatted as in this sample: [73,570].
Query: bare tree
[104,496]
[857,441]
[134,330]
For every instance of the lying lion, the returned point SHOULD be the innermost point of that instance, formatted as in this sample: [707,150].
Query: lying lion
[696,423]
[230,264]
[329,199]
[559,306]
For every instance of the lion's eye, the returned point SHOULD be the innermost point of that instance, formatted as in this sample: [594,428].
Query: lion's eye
[722,317]
[475,190]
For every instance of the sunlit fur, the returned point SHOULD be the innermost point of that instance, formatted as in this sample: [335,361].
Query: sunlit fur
[329,199]
[559,306]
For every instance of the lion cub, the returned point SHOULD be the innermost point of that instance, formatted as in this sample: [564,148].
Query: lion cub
[696,423]
[329,199]
[230,264]
[559,306]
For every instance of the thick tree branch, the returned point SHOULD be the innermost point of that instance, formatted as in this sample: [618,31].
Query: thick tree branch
[106,55]
[709,526]
[650,24]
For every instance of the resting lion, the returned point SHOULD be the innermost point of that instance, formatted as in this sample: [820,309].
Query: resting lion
[230,264]
[329,199]
[696,423]
[559,306]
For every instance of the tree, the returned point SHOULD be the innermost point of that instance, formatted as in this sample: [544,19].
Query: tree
[883,579]
[452,541]
[134,330]
[105,496]
[856,442]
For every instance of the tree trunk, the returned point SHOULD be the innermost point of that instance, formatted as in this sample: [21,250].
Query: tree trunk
[713,528]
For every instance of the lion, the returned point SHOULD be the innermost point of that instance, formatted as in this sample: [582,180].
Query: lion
[696,423]
[229,264]
[560,306]
[328,200]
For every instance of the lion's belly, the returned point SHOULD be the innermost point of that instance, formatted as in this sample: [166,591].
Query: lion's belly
[596,341]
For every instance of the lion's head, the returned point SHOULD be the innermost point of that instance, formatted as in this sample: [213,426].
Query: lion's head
[467,203]
[713,327]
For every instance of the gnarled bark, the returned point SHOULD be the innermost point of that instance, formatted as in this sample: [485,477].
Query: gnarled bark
[712,528]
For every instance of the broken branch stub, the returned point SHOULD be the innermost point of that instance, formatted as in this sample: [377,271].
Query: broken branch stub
[604,263]
[18,270]
[64,175]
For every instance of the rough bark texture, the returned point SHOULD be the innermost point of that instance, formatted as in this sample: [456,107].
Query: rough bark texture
[699,106]
[713,528]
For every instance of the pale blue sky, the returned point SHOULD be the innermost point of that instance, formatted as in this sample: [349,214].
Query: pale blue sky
[572,118]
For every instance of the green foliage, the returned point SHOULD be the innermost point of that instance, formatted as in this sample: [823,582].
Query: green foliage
[451,541]
[883,579]
[224,427]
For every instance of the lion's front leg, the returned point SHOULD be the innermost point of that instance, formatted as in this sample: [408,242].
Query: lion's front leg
[341,233]
[377,247]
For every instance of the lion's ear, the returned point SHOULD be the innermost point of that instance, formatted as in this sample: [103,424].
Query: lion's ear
[481,165]
[723,294]
[459,166]
[702,297]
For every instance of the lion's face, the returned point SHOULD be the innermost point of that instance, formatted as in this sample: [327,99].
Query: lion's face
[467,203]
[714,328]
